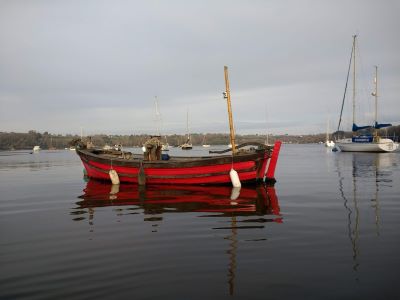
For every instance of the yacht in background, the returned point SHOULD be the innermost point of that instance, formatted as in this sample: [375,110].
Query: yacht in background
[364,142]
[188,144]
[328,142]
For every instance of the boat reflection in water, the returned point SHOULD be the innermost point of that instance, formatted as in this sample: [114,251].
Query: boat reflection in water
[237,206]
[361,177]
[227,201]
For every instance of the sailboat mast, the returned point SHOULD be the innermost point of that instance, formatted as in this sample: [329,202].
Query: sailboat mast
[354,79]
[227,95]
[158,117]
[327,131]
[187,125]
[376,94]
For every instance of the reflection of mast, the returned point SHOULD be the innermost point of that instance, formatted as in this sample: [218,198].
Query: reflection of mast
[353,234]
[91,217]
[356,230]
[232,256]
[267,204]
[376,205]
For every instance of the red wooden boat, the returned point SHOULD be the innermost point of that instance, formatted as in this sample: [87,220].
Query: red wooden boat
[254,164]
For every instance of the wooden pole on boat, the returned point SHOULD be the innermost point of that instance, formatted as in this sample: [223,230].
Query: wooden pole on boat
[227,95]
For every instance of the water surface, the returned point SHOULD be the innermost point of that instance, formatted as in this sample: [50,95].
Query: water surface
[329,229]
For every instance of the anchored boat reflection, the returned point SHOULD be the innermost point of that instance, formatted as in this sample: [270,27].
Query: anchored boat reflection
[369,172]
[237,206]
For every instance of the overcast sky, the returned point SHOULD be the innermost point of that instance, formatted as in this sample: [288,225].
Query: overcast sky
[98,65]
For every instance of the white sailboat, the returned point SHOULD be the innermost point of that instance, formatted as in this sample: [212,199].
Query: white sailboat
[188,144]
[204,142]
[165,147]
[366,142]
[328,142]
[158,121]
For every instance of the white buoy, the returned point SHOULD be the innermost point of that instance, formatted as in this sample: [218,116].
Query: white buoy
[235,178]
[144,149]
[235,193]
[114,177]
[114,191]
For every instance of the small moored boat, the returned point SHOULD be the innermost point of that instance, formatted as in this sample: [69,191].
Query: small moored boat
[256,164]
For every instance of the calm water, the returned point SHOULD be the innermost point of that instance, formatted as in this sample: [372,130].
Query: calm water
[329,230]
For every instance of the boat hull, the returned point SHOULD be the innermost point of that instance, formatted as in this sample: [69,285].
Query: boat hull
[251,167]
[384,145]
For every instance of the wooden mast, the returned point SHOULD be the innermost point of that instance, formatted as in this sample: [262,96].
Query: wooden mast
[227,95]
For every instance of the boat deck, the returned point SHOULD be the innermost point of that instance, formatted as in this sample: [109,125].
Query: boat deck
[129,156]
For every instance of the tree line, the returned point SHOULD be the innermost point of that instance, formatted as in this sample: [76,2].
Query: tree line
[18,141]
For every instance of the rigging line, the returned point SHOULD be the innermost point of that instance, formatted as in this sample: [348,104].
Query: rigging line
[345,88]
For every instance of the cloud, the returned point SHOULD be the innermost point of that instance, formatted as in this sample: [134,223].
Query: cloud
[64,63]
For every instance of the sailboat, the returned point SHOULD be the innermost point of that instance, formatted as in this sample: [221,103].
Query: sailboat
[328,142]
[158,121]
[364,142]
[51,147]
[204,142]
[165,147]
[188,144]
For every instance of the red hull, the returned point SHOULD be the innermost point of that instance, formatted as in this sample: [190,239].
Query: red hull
[251,167]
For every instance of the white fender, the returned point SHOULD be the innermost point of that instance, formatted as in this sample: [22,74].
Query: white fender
[114,191]
[114,177]
[235,193]
[235,178]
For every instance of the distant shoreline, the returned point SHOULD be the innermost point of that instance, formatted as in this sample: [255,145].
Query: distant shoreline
[27,140]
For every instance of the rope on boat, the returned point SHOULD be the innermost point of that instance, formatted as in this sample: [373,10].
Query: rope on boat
[345,90]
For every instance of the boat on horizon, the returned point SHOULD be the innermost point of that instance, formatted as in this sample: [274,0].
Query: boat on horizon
[204,143]
[328,141]
[188,144]
[367,141]
[253,162]
[165,146]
